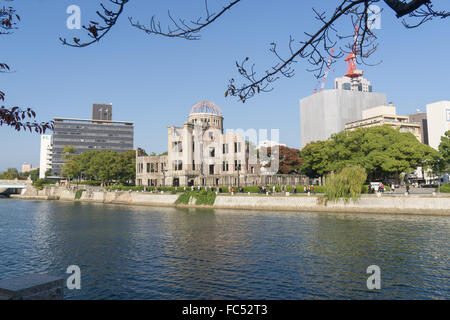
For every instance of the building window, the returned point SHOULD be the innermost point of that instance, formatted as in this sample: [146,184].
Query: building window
[237,165]
[211,136]
[148,167]
[237,147]
[193,164]
[177,146]
[177,165]
[225,167]
[225,148]
[346,86]
[211,169]
[212,152]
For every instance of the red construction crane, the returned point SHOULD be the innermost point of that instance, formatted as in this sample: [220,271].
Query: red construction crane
[352,70]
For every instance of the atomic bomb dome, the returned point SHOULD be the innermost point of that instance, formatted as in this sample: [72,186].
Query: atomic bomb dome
[206,107]
[206,113]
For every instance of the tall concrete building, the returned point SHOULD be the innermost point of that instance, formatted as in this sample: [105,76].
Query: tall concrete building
[325,113]
[438,116]
[87,135]
[46,155]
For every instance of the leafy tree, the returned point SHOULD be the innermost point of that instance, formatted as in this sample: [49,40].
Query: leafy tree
[126,167]
[290,161]
[346,184]
[70,168]
[383,151]
[84,161]
[444,149]
[105,165]
[10,174]
[33,174]
[315,48]
[48,173]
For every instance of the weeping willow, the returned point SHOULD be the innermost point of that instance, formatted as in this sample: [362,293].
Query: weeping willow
[346,184]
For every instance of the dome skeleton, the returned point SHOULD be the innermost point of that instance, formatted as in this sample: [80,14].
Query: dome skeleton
[206,107]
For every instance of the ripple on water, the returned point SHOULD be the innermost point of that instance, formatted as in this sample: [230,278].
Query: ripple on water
[129,252]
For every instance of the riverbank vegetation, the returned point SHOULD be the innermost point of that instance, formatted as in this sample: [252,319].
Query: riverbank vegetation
[445,188]
[100,165]
[79,193]
[201,198]
[13,173]
[42,183]
[346,184]
[382,151]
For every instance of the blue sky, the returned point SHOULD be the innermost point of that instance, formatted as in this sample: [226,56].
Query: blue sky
[154,81]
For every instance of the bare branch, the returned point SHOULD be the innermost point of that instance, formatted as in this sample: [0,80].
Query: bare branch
[180,28]
[97,31]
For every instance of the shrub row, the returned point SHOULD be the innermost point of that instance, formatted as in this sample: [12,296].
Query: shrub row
[41,183]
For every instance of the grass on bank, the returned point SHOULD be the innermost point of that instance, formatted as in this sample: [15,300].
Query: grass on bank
[445,188]
[79,193]
[202,198]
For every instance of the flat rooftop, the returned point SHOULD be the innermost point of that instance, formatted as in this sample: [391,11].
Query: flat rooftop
[129,123]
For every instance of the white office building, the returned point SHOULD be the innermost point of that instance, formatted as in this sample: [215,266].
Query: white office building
[438,117]
[46,154]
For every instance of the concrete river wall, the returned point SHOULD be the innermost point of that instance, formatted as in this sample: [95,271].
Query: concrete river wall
[400,204]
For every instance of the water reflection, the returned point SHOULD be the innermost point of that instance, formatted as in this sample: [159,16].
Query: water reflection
[129,252]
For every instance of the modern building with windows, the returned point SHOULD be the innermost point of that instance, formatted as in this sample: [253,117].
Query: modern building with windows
[87,135]
[382,115]
[201,154]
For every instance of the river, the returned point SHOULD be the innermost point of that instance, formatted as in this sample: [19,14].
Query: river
[132,252]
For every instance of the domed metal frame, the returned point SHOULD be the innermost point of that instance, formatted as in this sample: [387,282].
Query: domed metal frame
[206,107]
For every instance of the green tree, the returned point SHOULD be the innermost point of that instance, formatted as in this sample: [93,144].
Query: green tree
[33,174]
[48,172]
[10,174]
[126,167]
[347,184]
[104,165]
[70,169]
[382,151]
[444,150]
